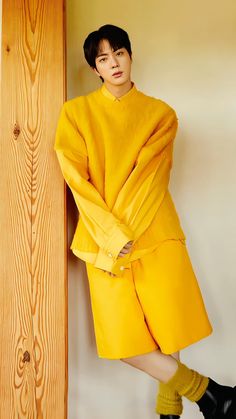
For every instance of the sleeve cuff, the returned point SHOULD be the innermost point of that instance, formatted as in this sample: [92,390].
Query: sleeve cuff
[117,267]
[120,235]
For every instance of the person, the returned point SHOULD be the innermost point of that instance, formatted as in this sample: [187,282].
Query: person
[115,150]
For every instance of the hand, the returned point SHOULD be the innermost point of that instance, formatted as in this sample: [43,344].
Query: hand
[110,273]
[126,249]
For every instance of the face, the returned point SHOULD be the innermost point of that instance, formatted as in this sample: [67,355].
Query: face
[109,62]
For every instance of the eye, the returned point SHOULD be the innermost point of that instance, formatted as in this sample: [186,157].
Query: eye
[102,59]
[120,53]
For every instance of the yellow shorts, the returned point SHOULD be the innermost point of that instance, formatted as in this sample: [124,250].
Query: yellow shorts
[156,304]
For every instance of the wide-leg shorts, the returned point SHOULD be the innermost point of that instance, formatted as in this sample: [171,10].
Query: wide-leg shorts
[156,304]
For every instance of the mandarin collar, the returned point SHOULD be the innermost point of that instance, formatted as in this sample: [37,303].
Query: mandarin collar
[113,98]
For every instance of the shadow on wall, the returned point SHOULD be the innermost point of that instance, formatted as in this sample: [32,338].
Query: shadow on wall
[84,80]
[79,287]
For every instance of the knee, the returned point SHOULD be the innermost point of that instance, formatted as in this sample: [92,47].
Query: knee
[129,360]
[133,360]
[176,355]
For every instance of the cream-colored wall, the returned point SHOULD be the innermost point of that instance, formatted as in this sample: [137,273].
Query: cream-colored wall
[184,53]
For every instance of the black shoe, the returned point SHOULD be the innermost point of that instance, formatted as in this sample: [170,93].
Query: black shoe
[169,417]
[218,401]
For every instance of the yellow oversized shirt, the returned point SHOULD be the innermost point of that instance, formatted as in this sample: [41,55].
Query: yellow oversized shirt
[116,155]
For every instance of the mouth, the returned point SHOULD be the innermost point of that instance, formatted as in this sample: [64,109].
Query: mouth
[117,74]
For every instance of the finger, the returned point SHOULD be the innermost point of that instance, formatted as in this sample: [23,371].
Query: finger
[121,254]
[127,246]
[125,250]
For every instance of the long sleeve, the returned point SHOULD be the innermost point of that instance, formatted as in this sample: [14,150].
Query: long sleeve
[144,190]
[108,231]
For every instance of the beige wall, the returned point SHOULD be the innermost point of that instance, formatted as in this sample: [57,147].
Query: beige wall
[184,53]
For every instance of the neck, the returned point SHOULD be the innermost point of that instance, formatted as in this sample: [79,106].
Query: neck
[119,91]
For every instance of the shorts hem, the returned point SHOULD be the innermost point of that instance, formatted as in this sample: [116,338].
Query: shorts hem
[128,354]
[185,345]
[165,350]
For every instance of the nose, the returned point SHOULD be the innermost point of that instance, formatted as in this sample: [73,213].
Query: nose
[114,61]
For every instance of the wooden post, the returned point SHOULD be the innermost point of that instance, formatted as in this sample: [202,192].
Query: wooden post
[33,243]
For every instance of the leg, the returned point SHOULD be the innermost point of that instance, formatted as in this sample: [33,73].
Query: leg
[176,355]
[214,400]
[169,402]
[160,366]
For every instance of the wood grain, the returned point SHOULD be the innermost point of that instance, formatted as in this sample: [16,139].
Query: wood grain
[33,250]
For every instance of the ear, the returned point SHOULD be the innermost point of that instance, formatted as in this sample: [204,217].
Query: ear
[95,71]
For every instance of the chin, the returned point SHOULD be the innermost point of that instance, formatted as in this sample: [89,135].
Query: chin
[120,80]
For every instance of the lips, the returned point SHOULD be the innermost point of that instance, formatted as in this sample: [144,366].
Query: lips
[118,73]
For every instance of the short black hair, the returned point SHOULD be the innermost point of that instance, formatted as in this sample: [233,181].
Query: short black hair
[117,38]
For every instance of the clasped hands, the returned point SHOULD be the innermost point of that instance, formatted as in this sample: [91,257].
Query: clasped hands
[126,249]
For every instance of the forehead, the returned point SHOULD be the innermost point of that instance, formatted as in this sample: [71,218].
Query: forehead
[104,47]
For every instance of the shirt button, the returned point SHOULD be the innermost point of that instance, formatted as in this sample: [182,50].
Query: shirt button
[122,268]
[110,254]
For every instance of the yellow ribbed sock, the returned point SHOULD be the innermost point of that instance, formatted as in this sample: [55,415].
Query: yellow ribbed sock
[188,383]
[169,402]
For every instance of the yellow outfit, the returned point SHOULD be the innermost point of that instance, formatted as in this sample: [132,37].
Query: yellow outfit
[116,155]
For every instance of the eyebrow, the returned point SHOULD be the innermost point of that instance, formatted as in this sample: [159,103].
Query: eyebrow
[100,55]
[105,54]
